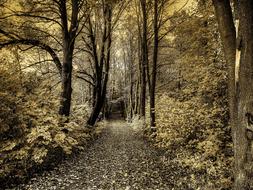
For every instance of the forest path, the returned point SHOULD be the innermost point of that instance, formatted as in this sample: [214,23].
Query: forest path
[119,160]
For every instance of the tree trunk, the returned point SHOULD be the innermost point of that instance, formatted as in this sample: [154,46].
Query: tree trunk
[69,35]
[95,112]
[144,62]
[98,99]
[103,65]
[227,31]
[65,103]
[244,129]
[131,101]
[136,102]
[238,54]
[154,67]
[94,95]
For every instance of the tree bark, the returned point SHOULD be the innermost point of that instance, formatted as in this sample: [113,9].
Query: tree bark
[227,31]
[131,99]
[238,54]
[244,129]
[65,103]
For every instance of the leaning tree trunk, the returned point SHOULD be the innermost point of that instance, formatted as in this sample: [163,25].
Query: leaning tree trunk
[244,129]
[101,88]
[98,102]
[95,112]
[136,97]
[101,81]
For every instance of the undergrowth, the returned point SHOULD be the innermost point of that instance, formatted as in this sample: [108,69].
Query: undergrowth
[192,127]
[33,136]
[198,140]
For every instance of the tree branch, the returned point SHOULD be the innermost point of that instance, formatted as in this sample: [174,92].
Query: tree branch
[79,77]
[36,43]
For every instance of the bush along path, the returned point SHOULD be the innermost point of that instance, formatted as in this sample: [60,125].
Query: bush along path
[119,159]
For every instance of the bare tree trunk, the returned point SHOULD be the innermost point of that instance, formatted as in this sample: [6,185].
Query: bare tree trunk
[137,108]
[108,53]
[131,100]
[95,112]
[144,58]
[154,67]
[69,35]
[136,105]
[66,84]
[227,31]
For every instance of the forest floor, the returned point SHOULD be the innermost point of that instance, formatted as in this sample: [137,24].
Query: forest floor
[120,159]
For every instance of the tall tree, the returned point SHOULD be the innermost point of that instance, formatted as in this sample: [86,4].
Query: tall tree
[160,19]
[244,92]
[227,31]
[38,30]
[68,38]
[152,85]
[144,56]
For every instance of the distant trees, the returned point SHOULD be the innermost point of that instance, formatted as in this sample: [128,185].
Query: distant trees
[238,53]
[153,22]
[129,42]
[97,39]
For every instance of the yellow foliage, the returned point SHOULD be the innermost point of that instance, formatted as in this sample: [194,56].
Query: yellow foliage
[9,146]
[22,154]
[196,132]
[40,133]
[60,138]
[39,154]
[31,131]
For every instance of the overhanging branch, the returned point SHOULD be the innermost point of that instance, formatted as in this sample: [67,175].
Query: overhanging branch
[36,43]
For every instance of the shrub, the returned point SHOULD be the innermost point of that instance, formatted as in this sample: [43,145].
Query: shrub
[32,134]
[199,138]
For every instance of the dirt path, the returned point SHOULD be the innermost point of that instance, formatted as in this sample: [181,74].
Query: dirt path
[119,160]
